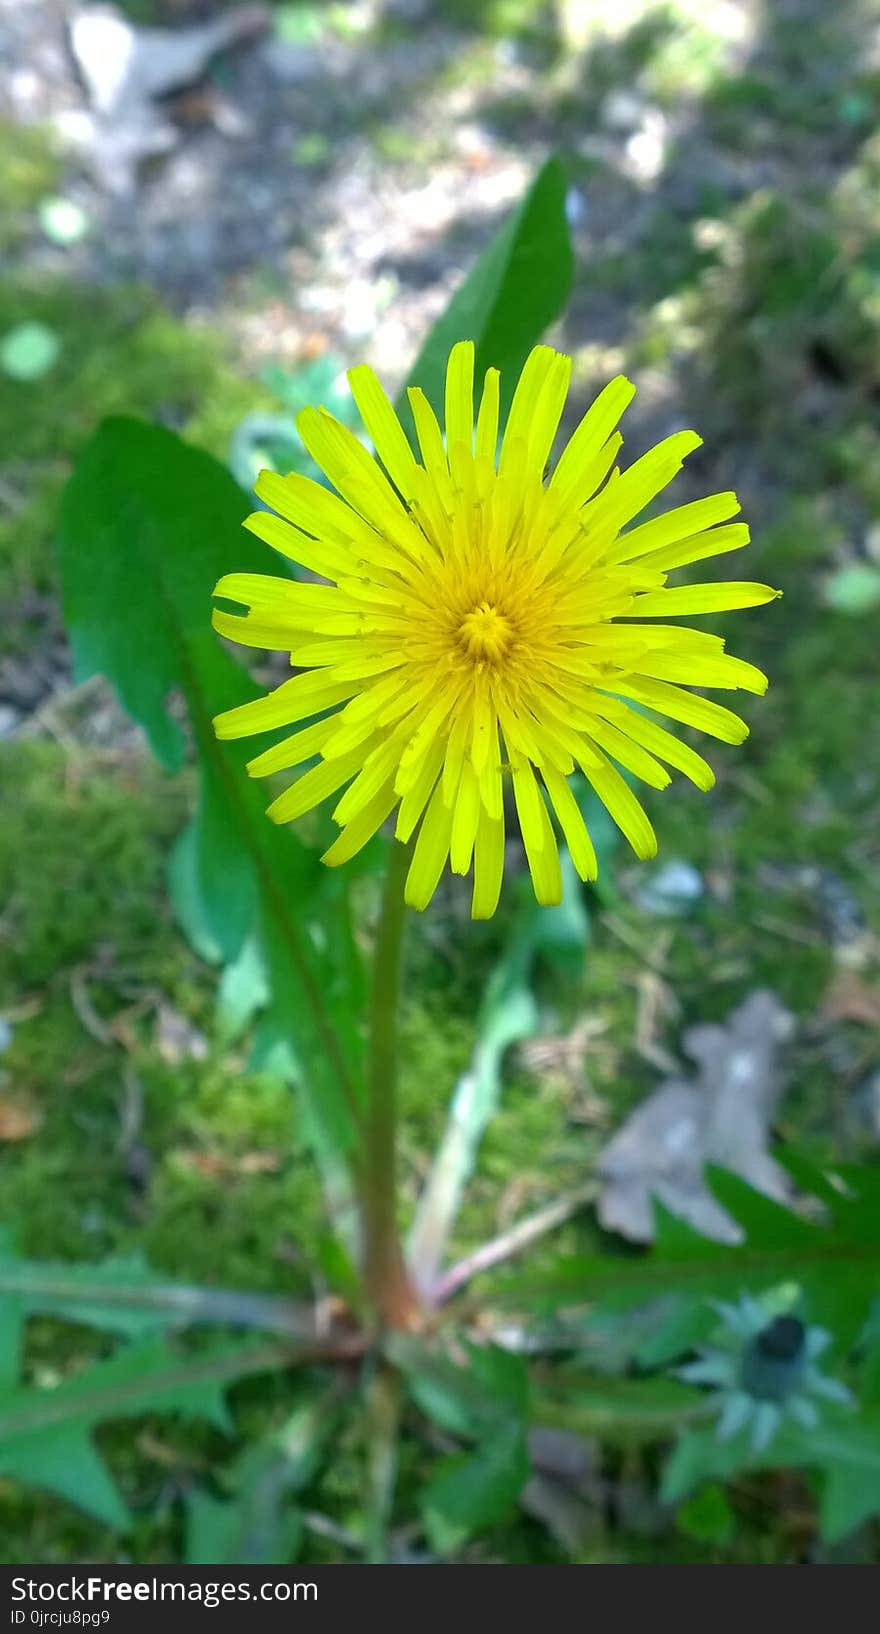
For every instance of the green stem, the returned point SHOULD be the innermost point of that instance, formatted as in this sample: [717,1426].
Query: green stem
[387,1280]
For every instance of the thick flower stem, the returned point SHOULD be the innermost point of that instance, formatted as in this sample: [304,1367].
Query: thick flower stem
[387,1281]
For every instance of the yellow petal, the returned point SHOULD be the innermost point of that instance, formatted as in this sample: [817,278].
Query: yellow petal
[427,430]
[487,419]
[488,864]
[294,750]
[313,787]
[688,599]
[361,829]
[660,742]
[416,797]
[621,804]
[529,805]
[460,397]
[577,837]
[518,430]
[631,755]
[643,481]
[465,817]
[544,862]
[386,431]
[317,555]
[571,479]
[547,410]
[294,700]
[430,854]
[373,771]
[722,671]
[687,707]
[674,525]
[698,547]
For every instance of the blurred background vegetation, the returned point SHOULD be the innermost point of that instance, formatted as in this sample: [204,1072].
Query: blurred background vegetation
[305,195]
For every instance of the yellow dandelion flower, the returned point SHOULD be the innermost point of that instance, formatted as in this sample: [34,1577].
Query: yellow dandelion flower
[482,625]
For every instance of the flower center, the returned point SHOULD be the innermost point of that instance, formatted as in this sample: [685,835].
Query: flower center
[485,633]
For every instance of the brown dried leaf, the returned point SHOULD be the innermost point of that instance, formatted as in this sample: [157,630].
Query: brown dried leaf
[850,998]
[19,1118]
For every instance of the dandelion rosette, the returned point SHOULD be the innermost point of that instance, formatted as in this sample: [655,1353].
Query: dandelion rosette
[479,625]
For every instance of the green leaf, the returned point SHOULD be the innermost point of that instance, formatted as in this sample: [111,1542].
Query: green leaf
[148,526]
[846,1453]
[623,1411]
[470,1399]
[243,991]
[519,285]
[835,1263]
[45,1435]
[114,1294]
[707,1516]
[476,1490]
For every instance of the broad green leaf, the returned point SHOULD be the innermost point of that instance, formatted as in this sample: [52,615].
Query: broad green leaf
[467,1493]
[148,526]
[45,1435]
[519,285]
[243,991]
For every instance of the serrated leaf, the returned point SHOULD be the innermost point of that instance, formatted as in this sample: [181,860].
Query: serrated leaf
[45,1435]
[519,285]
[114,1294]
[836,1263]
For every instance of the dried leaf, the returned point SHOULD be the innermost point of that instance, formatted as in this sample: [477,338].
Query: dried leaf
[722,1116]
[849,998]
[19,1118]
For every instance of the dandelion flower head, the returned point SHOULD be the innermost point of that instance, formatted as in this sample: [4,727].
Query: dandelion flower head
[481,627]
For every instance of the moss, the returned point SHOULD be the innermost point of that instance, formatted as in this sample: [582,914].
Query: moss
[121,353]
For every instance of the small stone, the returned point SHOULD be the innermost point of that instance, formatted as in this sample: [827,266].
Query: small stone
[672,889]
[9,719]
